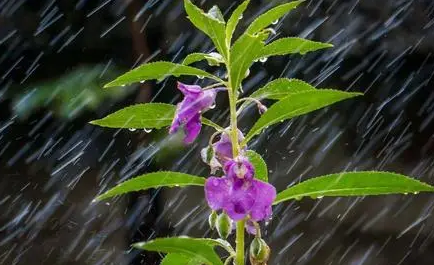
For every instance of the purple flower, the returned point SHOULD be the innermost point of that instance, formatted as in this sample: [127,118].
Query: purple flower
[238,193]
[223,147]
[188,111]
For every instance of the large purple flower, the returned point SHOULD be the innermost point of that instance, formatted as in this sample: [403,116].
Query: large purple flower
[238,193]
[188,111]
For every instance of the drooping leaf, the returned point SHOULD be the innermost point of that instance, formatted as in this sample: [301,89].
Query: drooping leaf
[153,180]
[233,21]
[144,116]
[158,71]
[292,45]
[139,116]
[272,15]
[213,59]
[180,259]
[201,249]
[208,23]
[281,88]
[244,51]
[354,184]
[261,171]
[295,105]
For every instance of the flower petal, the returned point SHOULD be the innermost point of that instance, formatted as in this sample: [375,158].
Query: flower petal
[189,90]
[217,192]
[265,195]
[192,129]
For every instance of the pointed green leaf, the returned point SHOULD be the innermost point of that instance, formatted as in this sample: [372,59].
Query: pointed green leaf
[153,180]
[267,18]
[159,71]
[144,116]
[295,105]
[245,50]
[201,249]
[180,259]
[281,88]
[233,21]
[213,59]
[292,45]
[354,184]
[261,171]
[139,116]
[209,23]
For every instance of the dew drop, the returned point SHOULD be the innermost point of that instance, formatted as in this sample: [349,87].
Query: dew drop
[147,130]
[247,73]
[405,193]
[416,192]
[240,17]
[275,22]
[132,129]
[263,60]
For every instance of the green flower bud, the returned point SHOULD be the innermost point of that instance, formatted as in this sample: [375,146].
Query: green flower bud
[224,225]
[259,252]
[212,219]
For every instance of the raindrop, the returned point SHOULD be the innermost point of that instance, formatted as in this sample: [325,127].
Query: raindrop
[275,22]
[416,192]
[132,129]
[143,81]
[212,106]
[147,130]
[247,73]
[263,60]
[200,76]
[240,17]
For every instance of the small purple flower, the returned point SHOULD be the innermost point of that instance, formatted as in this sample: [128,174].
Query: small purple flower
[238,193]
[223,147]
[188,111]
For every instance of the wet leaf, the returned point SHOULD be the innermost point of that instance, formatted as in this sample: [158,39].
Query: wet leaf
[201,249]
[354,184]
[153,180]
[180,259]
[158,71]
[296,105]
[144,116]
[281,88]
[212,58]
[267,18]
[292,45]
[261,171]
[208,23]
[233,21]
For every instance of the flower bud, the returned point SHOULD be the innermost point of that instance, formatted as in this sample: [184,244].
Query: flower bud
[212,219]
[262,108]
[259,252]
[224,225]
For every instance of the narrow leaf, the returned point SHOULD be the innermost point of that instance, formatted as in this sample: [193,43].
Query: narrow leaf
[201,249]
[159,71]
[267,18]
[180,259]
[213,59]
[245,50]
[233,21]
[153,180]
[261,171]
[292,45]
[354,184]
[210,24]
[139,116]
[210,123]
[295,105]
[281,88]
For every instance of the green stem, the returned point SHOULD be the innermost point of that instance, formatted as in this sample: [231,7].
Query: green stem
[239,259]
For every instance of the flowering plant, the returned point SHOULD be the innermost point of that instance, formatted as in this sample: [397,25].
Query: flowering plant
[237,190]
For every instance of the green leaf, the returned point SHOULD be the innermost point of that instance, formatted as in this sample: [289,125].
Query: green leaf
[281,88]
[159,71]
[292,45]
[354,184]
[153,180]
[233,21]
[209,23]
[261,171]
[267,18]
[139,116]
[295,105]
[213,59]
[180,259]
[201,249]
[245,50]
[144,116]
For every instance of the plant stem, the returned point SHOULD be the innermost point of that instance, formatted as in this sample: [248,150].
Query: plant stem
[239,259]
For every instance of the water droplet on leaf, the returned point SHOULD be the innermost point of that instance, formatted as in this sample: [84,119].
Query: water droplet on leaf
[132,129]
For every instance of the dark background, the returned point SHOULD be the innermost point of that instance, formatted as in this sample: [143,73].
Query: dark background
[53,163]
